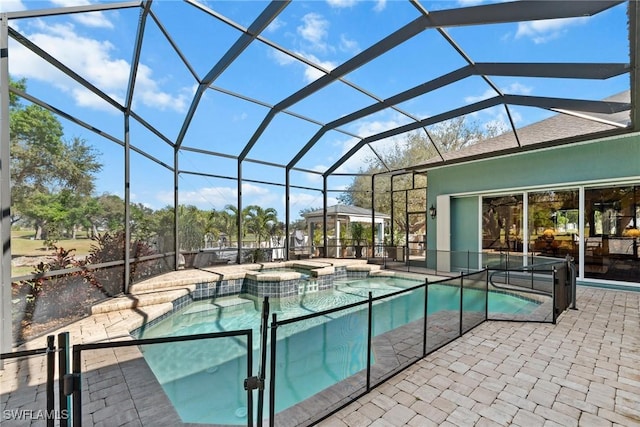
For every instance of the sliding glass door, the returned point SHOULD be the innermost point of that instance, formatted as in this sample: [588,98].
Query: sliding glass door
[612,233]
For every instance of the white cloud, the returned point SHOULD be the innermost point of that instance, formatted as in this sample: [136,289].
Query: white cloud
[94,60]
[340,4]
[360,158]
[514,88]
[314,30]
[12,6]
[547,30]
[206,198]
[85,98]
[300,201]
[275,25]
[314,177]
[311,73]
[219,197]
[380,5]
[368,128]
[348,45]
[281,58]
[90,19]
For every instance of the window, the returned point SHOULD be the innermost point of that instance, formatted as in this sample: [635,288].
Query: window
[553,222]
[611,223]
[502,223]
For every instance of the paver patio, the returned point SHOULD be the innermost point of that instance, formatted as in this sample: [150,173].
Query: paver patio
[582,371]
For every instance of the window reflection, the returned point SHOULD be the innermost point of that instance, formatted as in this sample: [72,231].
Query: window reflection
[502,223]
[612,223]
[611,238]
[553,221]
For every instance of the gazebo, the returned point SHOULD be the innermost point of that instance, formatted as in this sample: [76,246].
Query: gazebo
[340,217]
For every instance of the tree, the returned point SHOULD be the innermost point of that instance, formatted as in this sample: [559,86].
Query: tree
[108,215]
[143,222]
[414,149]
[192,227]
[42,163]
[260,221]
[36,145]
[226,221]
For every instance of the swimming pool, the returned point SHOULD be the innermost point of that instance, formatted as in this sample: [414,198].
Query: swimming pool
[191,373]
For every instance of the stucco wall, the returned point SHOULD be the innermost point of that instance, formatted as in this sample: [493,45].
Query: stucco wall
[614,158]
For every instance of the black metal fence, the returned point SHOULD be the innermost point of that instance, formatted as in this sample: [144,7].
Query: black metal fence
[38,407]
[309,367]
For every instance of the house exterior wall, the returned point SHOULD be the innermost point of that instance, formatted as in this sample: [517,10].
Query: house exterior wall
[603,160]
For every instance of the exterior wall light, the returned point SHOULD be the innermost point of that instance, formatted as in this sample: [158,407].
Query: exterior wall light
[432,211]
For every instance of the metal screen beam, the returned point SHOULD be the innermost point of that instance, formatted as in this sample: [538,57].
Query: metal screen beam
[553,70]
[493,13]
[259,25]
[6,338]
[602,107]
[414,27]
[432,85]
[548,70]
[135,61]
[487,103]
[66,70]
[72,9]
[518,11]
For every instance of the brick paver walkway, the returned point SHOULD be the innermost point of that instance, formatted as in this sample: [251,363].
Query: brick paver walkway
[584,371]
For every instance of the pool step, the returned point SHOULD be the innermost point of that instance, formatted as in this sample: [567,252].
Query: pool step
[226,304]
[132,301]
[179,278]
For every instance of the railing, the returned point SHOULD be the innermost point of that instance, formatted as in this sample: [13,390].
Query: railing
[334,356]
[12,373]
[132,371]
[378,337]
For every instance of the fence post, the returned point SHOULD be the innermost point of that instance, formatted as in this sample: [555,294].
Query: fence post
[553,293]
[486,293]
[77,388]
[63,370]
[272,383]
[51,372]
[426,315]
[507,267]
[263,357]
[369,335]
[250,375]
[571,274]
[461,303]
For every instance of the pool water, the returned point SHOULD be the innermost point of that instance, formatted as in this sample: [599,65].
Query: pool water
[204,378]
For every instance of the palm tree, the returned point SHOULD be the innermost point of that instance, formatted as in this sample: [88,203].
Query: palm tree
[260,221]
[226,221]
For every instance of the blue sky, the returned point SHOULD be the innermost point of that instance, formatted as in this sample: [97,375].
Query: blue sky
[99,47]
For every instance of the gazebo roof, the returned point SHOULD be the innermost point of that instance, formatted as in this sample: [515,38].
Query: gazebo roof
[344,210]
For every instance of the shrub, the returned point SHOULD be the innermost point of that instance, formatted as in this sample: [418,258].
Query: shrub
[56,297]
[110,247]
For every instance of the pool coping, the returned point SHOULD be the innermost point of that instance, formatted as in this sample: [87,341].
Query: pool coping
[386,359]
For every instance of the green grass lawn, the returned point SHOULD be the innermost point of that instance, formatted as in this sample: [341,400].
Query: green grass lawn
[23,245]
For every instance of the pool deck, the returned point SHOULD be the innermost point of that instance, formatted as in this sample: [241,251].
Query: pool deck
[585,370]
